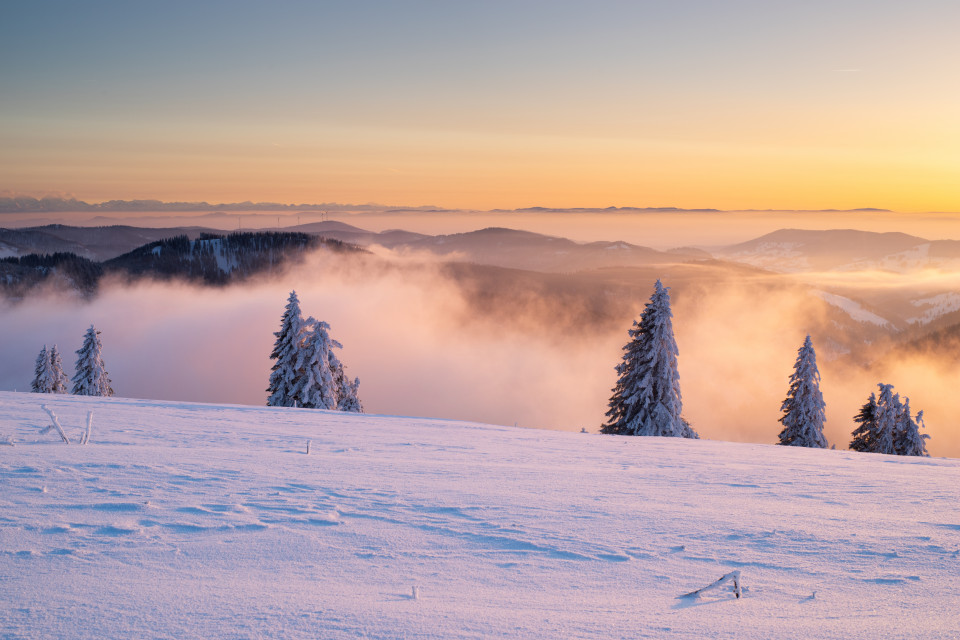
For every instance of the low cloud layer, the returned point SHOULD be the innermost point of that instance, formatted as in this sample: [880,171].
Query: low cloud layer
[423,345]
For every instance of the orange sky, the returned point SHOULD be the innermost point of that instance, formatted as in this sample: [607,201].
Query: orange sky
[745,105]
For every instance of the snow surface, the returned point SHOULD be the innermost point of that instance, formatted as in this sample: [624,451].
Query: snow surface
[853,309]
[781,257]
[936,306]
[205,521]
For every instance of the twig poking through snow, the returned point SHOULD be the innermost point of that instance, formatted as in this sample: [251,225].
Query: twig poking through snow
[56,423]
[733,576]
[309,442]
[85,438]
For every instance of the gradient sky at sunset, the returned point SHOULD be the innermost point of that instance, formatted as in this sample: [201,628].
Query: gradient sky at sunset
[739,104]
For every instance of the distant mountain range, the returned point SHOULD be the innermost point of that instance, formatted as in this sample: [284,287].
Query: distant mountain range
[93,243]
[27,204]
[830,263]
[23,204]
[510,248]
[208,259]
[797,250]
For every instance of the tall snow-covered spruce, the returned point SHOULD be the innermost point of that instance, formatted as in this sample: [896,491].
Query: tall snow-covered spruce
[306,372]
[647,400]
[285,374]
[888,410]
[316,388]
[91,378]
[803,408]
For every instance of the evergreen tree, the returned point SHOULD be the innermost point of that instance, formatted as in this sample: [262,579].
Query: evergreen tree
[307,372]
[888,411]
[58,377]
[803,408]
[348,398]
[908,440]
[41,373]
[316,388]
[647,400]
[865,436]
[285,374]
[887,426]
[91,378]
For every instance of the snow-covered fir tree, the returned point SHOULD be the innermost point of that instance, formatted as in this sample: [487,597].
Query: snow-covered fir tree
[91,378]
[316,388]
[888,413]
[647,400]
[803,408]
[348,392]
[285,374]
[57,375]
[908,441]
[41,373]
[865,435]
[306,372]
[886,425]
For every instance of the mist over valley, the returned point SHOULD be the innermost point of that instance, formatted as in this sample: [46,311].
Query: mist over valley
[502,325]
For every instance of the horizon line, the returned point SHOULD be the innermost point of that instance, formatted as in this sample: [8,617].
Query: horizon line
[60,204]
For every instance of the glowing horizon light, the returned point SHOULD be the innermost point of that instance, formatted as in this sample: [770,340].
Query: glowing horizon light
[728,106]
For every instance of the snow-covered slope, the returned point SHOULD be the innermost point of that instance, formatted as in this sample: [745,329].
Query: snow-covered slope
[798,250]
[184,520]
[853,309]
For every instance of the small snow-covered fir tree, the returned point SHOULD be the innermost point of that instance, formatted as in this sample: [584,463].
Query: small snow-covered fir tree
[865,435]
[285,374]
[316,388]
[803,408]
[91,378]
[306,372]
[348,393]
[908,441]
[42,380]
[57,376]
[887,426]
[647,400]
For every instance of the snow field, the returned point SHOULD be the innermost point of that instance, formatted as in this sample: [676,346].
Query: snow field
[186,520]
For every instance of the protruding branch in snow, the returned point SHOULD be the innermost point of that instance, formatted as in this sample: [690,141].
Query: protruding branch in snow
[56,423]
[85,438]
[309,442]
[733,576]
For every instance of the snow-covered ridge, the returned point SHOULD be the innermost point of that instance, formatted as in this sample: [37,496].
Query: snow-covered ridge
[187,520]
[935,306]
[853,309]
[781,257]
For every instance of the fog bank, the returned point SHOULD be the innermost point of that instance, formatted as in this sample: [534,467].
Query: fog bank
[421,345]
